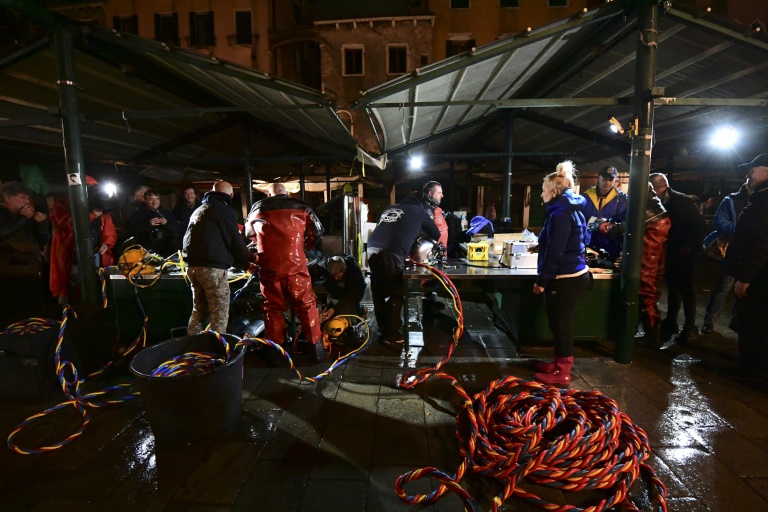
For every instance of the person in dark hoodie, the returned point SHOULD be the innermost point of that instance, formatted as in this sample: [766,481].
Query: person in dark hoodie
[563,275]
[388,245]
[212,244]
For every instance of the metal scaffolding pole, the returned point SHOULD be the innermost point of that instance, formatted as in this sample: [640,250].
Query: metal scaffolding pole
[248,165]
[63,39]
[639,169]
[507,183]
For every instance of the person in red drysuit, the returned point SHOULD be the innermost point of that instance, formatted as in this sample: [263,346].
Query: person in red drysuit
[63,242]
[655,235]
[62,249]
[432,196]
[282,228]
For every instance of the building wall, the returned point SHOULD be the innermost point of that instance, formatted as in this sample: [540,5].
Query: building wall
[255,55]
[375,37]
[484,21]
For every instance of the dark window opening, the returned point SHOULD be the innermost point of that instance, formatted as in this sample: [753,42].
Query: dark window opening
[126,24]
[509,3]
[353,61]
[167,28]
[243,28]
[557,3]
[460,4]
[398,60]
[457,47]
[201,29]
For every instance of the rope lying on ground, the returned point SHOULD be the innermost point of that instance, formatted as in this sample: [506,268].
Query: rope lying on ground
[516,429]
[268,344]
[70,387]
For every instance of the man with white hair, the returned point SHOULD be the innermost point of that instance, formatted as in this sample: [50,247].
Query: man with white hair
[282,228]
[684,244]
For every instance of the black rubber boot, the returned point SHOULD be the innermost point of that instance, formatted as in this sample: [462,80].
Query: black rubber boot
[668,329]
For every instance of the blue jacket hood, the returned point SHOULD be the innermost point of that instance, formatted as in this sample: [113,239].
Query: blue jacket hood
[568,199]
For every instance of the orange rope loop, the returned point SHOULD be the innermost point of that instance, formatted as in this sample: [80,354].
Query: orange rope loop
[516,430]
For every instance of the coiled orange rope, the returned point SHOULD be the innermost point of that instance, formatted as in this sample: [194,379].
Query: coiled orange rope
[516,429]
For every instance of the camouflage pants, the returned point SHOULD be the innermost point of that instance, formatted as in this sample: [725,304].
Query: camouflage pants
[210,296]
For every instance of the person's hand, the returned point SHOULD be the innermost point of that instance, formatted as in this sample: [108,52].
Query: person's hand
[27,211]
[103,248]
[538,290]
[740,289]
[253,268]
[328,313]
[533,249]
[39,216]
[605,227]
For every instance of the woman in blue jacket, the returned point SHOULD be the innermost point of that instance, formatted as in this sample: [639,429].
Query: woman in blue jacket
[563,274]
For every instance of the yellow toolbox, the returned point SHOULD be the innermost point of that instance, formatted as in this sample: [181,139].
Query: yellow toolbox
[477,251]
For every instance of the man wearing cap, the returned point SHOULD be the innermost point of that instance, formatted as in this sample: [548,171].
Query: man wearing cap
[684,245]
[605,203]
[747,261]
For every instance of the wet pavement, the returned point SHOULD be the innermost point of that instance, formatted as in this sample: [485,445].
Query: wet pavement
[339,444]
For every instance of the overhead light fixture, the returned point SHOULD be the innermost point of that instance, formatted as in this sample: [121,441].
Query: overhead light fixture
[725,137]
[110,189]
[616,126]
[632,130]
[417,162]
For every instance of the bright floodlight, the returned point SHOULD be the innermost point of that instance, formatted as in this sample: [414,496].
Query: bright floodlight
[416,162]
[615,125]
[110,189]
[725,137]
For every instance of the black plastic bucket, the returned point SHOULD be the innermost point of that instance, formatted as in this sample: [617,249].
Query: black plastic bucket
[191,408]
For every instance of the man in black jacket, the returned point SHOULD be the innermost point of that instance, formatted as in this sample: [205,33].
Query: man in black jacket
[388,245]
[344,282]
[684,245]
[747,261]
[24,230]
[155,228]
[212,244]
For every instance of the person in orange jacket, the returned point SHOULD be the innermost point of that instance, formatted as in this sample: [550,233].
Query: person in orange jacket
[282,228]
[62,249]
[63,242]
[433,196]
[104,232]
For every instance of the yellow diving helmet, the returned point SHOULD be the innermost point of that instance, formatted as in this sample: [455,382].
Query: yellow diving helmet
[130,261]
[335,327]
